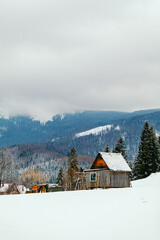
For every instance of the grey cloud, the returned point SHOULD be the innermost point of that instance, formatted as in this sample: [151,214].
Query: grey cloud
[56,56]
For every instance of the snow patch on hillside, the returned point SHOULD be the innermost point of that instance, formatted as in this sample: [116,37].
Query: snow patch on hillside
[62,116]
[117,128]
[54,139]
[95,131]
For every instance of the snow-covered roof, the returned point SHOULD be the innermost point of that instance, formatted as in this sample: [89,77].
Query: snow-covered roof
[22,189]
[115,161]
[5,186]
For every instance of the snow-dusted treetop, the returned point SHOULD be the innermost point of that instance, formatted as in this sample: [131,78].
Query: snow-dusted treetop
[115,161]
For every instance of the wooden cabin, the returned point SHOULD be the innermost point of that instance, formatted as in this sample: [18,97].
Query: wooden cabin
[34,189]
[41,188]
[46,187]
[109,170]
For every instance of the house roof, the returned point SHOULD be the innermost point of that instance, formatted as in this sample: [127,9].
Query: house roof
[115,161]
[5,187]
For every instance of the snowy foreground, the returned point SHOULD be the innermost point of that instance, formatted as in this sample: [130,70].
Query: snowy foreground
[113,214]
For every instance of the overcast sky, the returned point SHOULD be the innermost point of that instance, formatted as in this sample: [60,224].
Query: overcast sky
[58,56]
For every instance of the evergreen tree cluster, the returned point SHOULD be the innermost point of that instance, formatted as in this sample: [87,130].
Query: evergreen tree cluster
[148,158]
[69,178]
[120,147]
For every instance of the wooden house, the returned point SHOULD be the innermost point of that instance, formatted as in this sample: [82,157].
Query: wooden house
[46,187]
[34,189]
[109,170]
[41,188]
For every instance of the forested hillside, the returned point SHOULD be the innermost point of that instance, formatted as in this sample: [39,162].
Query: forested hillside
[36,156]
[25,130]
[88,131]
[89,144]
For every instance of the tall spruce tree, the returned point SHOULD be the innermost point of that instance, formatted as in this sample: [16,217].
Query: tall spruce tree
[147,160]
[154,162]
[72,169]
[107,149]
[142,159]
[120,148]
[60,177]
[73,160]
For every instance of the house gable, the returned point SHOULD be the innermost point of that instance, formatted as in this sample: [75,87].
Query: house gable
[99,163]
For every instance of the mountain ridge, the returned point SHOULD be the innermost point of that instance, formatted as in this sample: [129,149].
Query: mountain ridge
[25,130]
[59,135]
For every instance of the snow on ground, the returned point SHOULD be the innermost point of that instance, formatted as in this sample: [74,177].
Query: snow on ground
[113,214]
[94,131]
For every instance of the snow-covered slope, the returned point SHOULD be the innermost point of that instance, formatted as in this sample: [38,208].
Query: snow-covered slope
[94,131]
[114,214]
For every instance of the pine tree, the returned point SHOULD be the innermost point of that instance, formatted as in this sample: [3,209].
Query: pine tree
[147,160]
[107,149]
[154,152]
[60,177]
[73,160]
[142,159]
[72,169]
[120,148]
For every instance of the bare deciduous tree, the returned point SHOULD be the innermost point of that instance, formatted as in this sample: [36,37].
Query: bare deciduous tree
[5,165]
[32,177]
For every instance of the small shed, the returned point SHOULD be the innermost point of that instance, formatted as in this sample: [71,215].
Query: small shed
[41,188]
[47,187]
[109,170]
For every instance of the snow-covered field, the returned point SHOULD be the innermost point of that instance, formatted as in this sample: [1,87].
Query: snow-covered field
[113,214]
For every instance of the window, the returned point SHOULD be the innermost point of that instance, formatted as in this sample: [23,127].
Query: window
[93,177]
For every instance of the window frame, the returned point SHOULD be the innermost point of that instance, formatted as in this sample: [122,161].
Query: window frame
[95,177]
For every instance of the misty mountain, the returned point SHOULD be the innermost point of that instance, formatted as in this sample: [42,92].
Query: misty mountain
[95,139]
[60,134]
